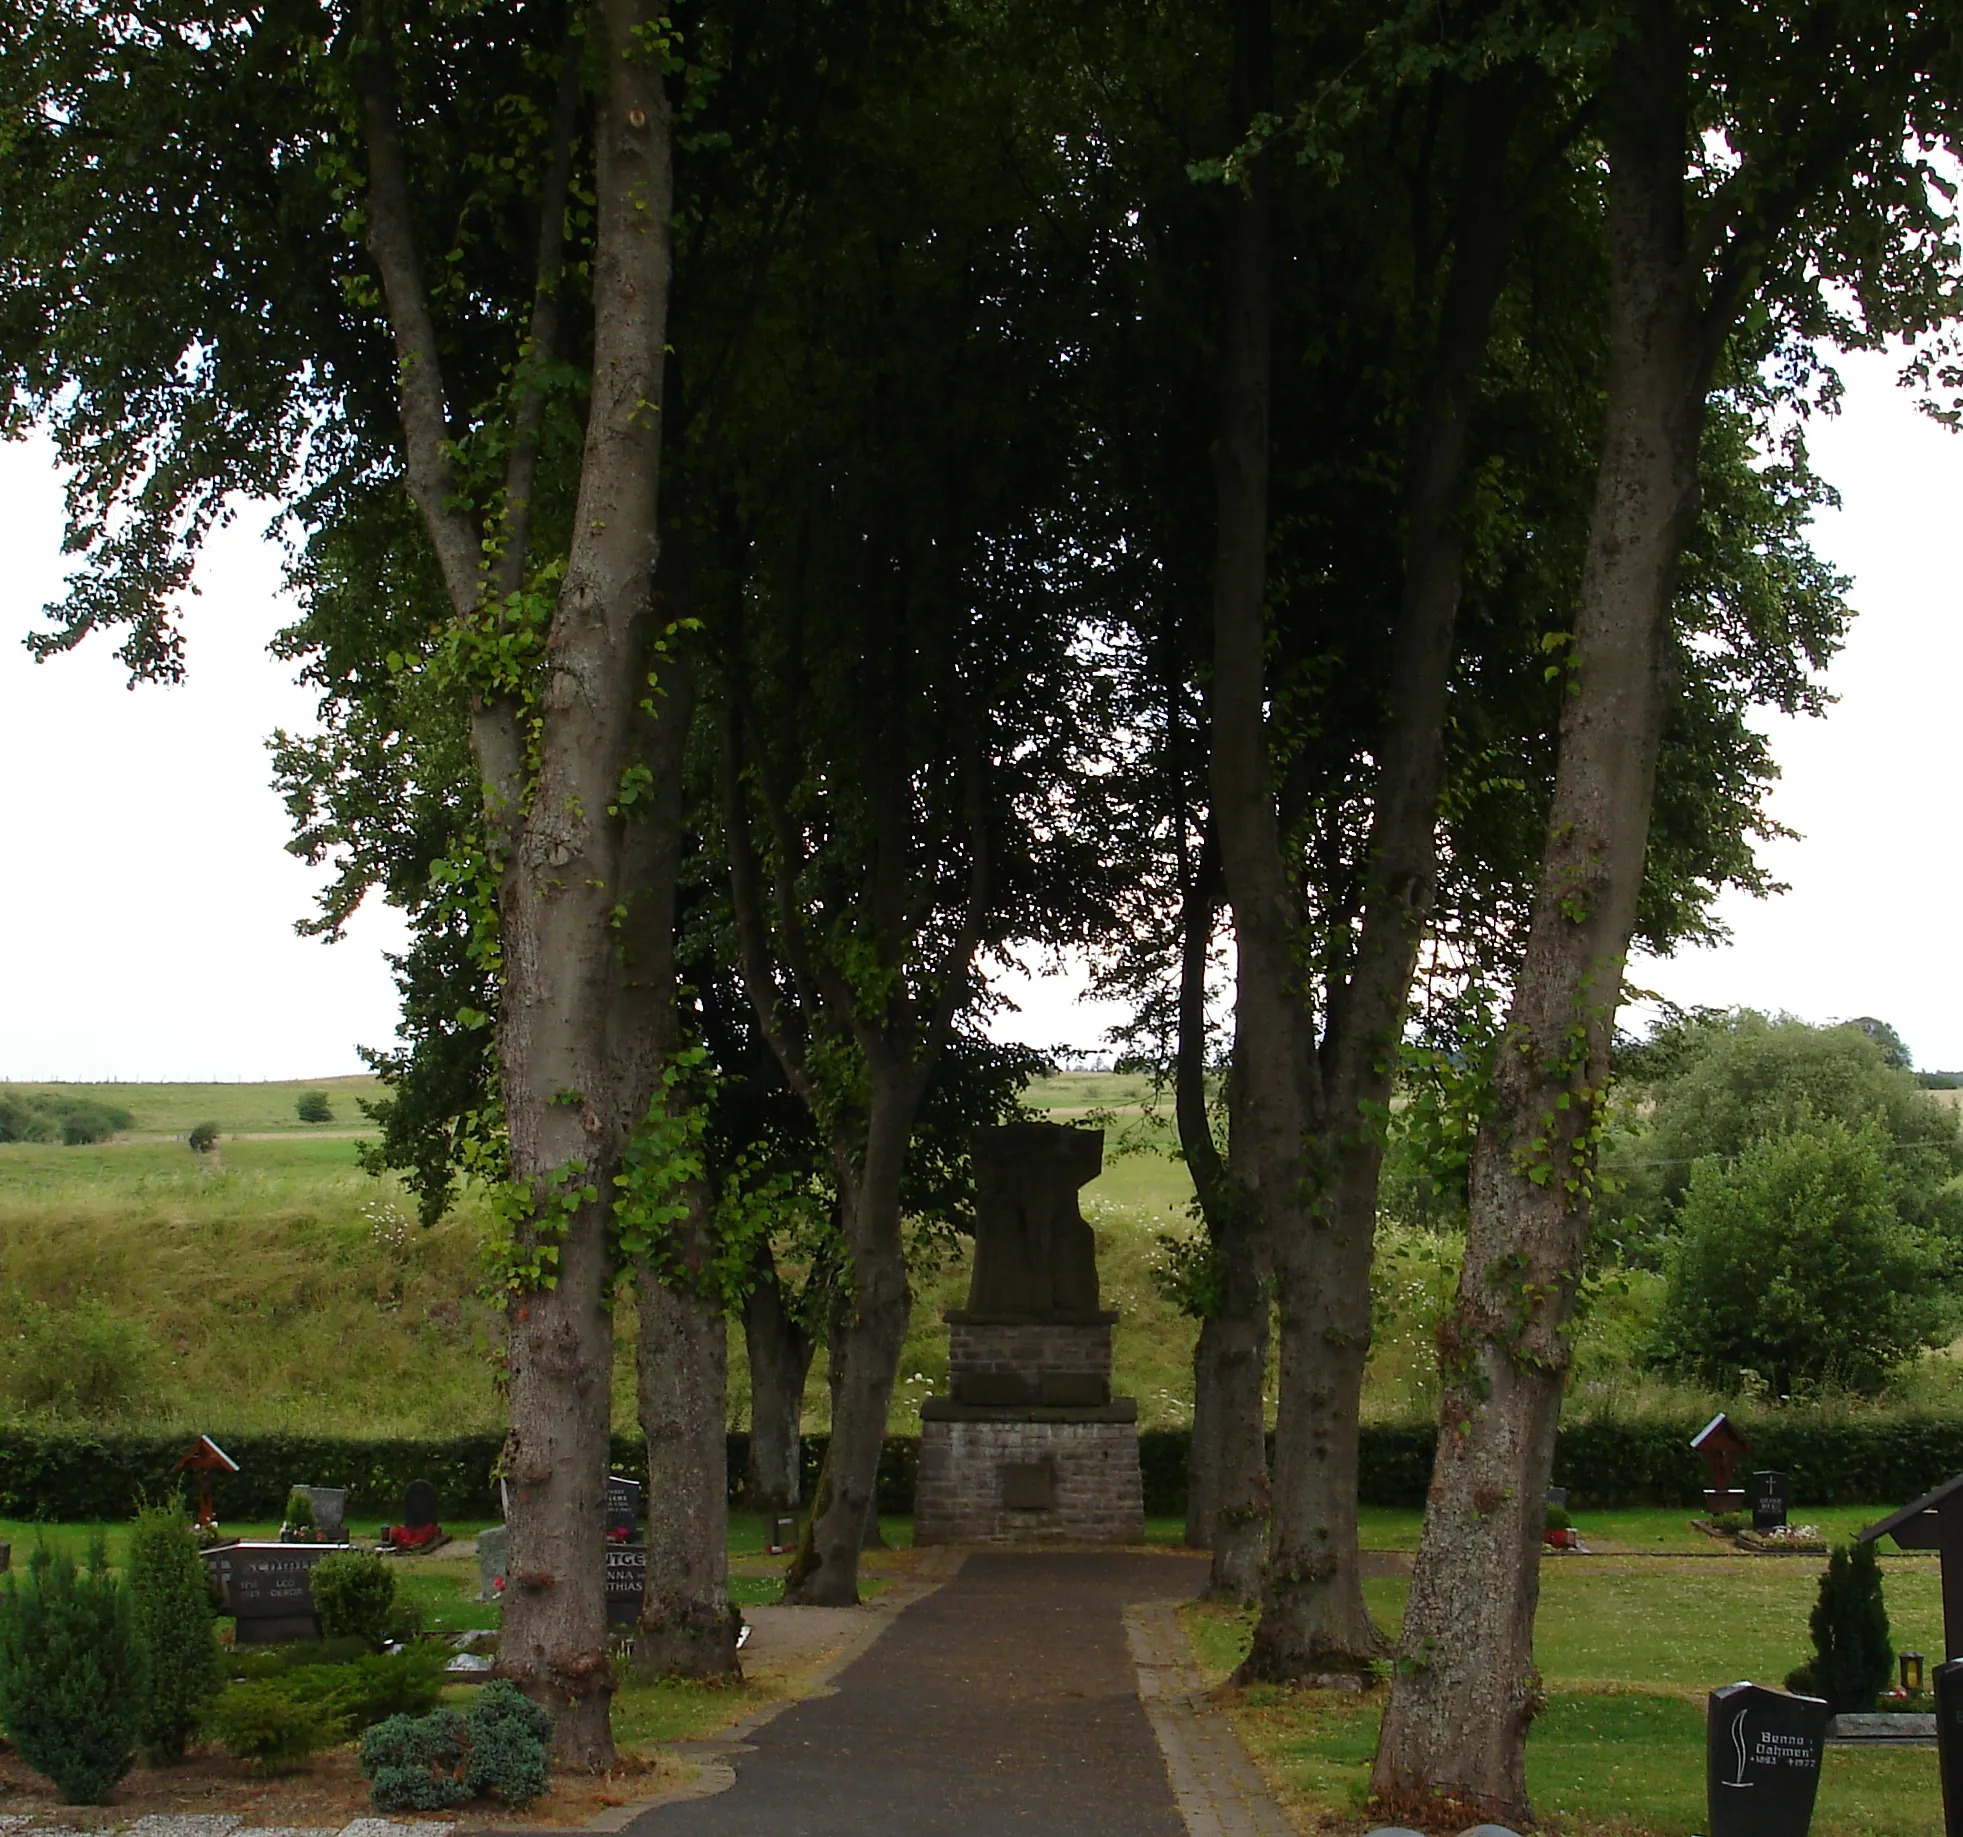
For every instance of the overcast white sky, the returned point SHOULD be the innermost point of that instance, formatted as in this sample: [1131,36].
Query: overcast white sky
[147,925]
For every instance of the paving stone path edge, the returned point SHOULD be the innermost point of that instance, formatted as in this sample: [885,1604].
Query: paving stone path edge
[1217,1788]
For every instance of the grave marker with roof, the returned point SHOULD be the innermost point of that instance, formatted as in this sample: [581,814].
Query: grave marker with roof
[1933,1522]
[206,1460]
[1721,1442]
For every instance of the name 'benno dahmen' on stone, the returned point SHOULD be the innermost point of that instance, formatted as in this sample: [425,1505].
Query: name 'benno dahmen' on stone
[1030,1444]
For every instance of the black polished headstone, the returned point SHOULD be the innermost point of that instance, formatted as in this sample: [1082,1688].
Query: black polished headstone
[418,1505]
[1948,1679]
[1762,1761]
[1768,1496]
[268,1589]
[782,1536]
[623,1508]
[627,1574]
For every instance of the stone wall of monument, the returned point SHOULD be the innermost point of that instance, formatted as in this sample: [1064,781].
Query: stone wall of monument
[968,1473]
[1030,1346]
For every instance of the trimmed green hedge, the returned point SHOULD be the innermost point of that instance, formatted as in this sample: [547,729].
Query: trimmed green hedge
[79,1478]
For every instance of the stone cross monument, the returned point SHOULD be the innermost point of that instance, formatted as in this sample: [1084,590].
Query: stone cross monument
[1030,1445]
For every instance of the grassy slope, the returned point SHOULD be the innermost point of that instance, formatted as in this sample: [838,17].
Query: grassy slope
[281,1287]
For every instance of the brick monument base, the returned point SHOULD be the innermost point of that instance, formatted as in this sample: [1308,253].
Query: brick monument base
[1029,1445]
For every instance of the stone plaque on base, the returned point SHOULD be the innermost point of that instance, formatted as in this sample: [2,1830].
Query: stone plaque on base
[1762,1761]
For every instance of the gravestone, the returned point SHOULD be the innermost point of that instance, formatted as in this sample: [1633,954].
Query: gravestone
[1768,1500]
[493,1551]
[1557,1497]
[1933,1522]
[627,1574]
[781,1538]
[623,1509]
[1721,1442]
[419,1506]
[330,1505]
[268,1589]
[1762,1761]
[1035,1257]
[1949,1742]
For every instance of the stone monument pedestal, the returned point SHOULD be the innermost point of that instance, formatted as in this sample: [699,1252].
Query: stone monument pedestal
[1029,1446]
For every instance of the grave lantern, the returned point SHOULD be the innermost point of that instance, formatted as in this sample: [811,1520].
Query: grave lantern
[1721,1442]
[1910,1666]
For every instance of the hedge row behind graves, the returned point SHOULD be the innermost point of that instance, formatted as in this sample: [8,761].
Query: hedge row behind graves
[72,1477]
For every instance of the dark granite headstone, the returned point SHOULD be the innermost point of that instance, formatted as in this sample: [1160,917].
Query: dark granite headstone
[1768,1493]
[623,1509]
[267,1588]
[1949,1742]
[1035,1258]
[1557,1498]
[782,1535]
[1762,1761]
[330,1504]
[418,1505]
[627,1574]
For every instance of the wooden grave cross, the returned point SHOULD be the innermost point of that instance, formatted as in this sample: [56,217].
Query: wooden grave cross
[206,1459]
[1933,1522]
[1721,1442]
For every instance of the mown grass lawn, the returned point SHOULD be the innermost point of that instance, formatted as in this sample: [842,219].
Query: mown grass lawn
[1627,1647]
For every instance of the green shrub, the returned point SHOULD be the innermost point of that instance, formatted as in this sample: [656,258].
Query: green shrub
[313,1107]
[509,1744]
[171,1609]
[354,1596]
[255,1663]
[70,1674]
[1793,1263]
[1852,1659]
[1558,1519]
[203,1137]
[273,1728]
[84,1361]
[415,1763]
[374,1686]
[44,1117]
[441,1760]
[299,1510]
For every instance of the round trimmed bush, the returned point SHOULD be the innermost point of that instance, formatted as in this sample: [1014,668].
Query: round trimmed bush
[354,1596]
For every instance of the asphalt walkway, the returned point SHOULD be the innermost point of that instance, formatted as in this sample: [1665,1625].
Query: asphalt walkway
[1005,1702]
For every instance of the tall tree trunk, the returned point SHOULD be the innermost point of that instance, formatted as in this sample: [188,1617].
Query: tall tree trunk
[1203,1445]
[687,1628]
[569,1098]
[1240,1519]
[1312,1621]
[780,1350]
[1462,1699]
[865,1353]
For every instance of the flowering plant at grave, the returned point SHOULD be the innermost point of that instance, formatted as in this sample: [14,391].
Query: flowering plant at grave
[411,1537]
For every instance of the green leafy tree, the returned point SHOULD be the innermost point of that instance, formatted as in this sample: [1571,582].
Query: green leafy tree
[1852,1656]
[71,1673]
[1793,1262]
[171,1611]
[313,1107]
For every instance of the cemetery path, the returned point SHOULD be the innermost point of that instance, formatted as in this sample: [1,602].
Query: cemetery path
[1005,1702]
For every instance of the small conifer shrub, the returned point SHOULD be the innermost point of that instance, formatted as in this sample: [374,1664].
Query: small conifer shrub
[430,1763]
[354,1596]
[70,1674]
[171,1608]
[271,1727]
[313,1107]
[1852,1659]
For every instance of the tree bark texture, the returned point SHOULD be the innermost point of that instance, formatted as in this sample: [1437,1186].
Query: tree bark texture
[1227,1471]
[1465,1687]
[1313,1624]
[572,1088]
[865,1355]
[780,1350]
[687,1628]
